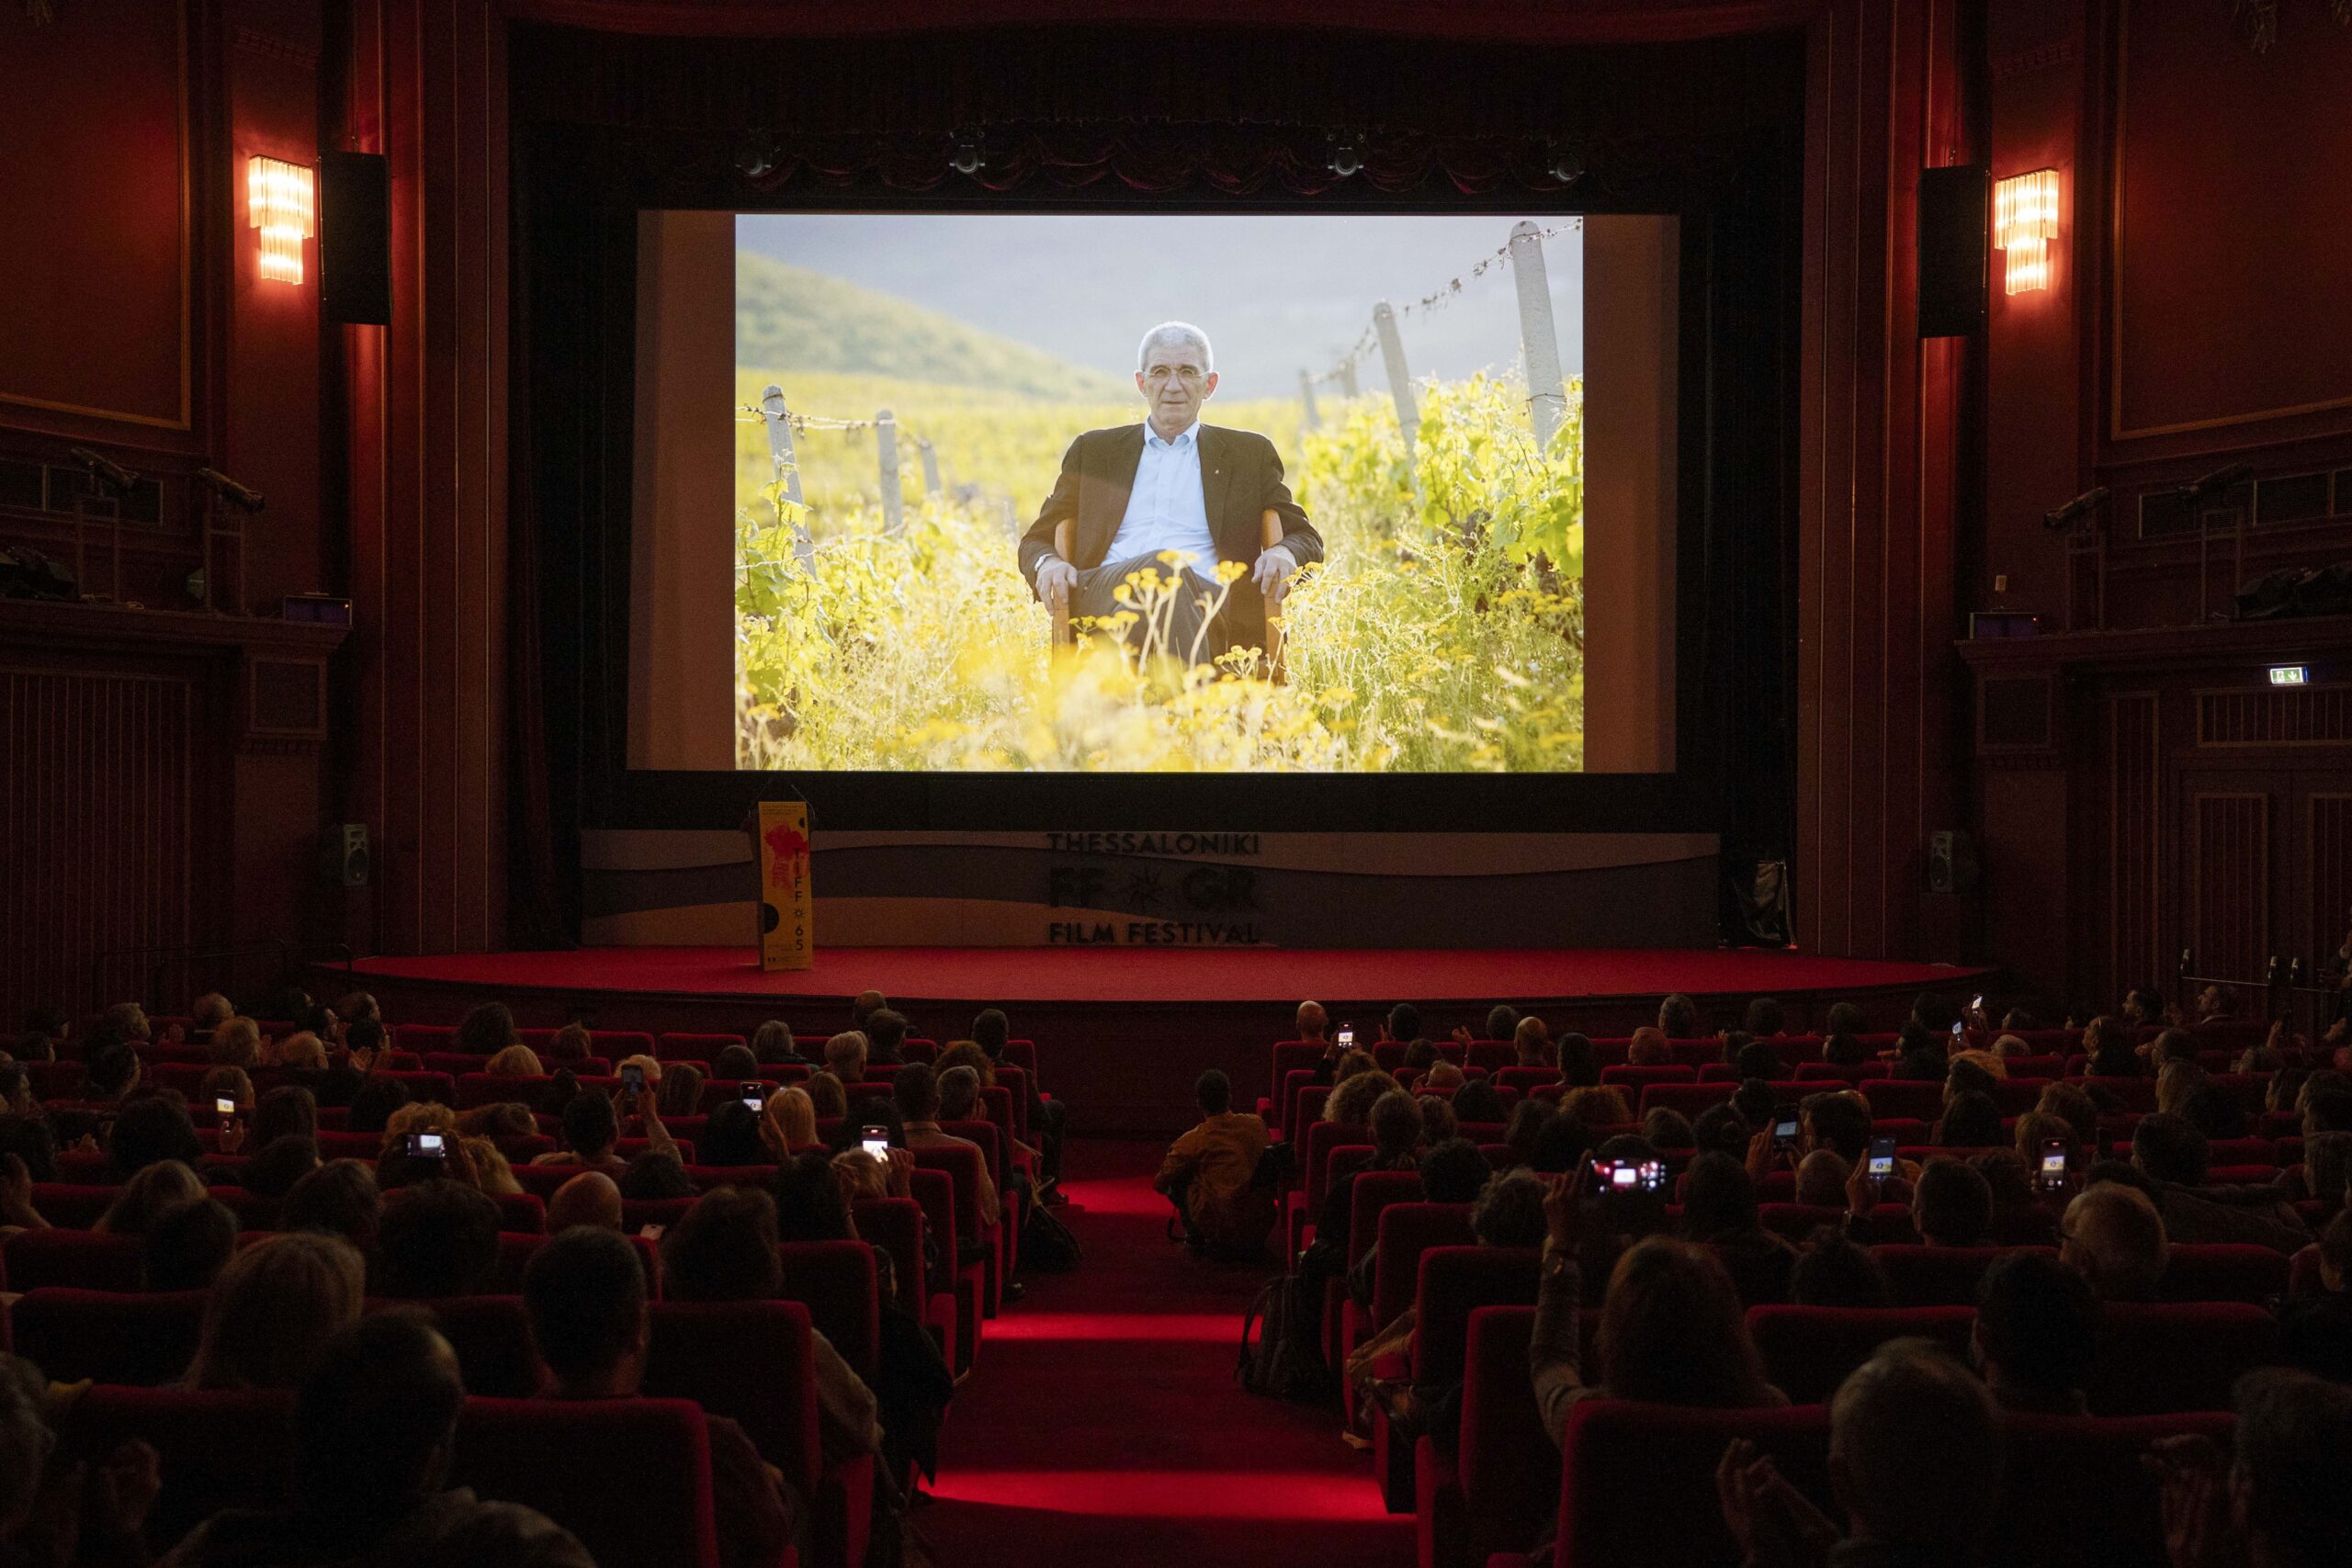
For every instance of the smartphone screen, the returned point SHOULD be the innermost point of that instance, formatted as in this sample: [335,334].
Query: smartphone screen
[755,1094]
[1785,1124]
[633,1078]
[1978,1005]
[1347,1036]
[1882,1157]
[2053,1164]
[426,1145]
[876,1141]
[1959,1029]
[222,1105]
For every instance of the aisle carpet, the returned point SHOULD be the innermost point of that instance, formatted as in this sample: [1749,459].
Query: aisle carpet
[1104,1424]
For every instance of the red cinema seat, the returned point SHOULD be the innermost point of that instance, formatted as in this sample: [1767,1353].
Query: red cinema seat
[1315,1173]
[1454,1282]
[2156,1358]
[629,1478]
[895,1226]
[1015,1083]
[439,1087]
[638,1212]
[1827,1075]
[1690,1098]
[2077,1494]
[1808,1350]
[69,1259]
[1525,1081]
[2135,1094]
[965,1283]
[216,1449]
[835,1281]
[1939,1276]
[1023,1053]
[1885,1223]
[1493,1055]
[1637,1485]
[422,1037]
[1641,1077]
[2220,1271]
[1496,1492]
[1905,1098]
[965,1166]
[107,1336]
[1373,1193]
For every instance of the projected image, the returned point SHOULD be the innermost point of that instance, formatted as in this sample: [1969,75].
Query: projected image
[1159,493]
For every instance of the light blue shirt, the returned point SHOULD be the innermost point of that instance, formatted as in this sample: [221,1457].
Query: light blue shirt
[1168,510]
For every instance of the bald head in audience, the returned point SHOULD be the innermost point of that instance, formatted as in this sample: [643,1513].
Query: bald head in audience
[1914,1454]
[591,1198]
[1313,1022]
[2114,1237]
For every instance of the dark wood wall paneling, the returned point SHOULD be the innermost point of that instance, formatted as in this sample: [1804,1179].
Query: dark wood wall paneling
[2195,318]
[151,810]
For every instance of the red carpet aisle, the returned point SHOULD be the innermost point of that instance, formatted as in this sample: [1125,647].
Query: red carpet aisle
[1104,1424]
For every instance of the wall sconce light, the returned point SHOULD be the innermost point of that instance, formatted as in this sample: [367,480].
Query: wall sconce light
[2025,219]
[281,200]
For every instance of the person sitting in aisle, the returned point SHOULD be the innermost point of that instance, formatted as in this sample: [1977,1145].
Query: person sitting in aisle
[374,1430]
[274,1308]
[2036,1334]
[2112,1235]
[1672,1329]
[585,1294]
[1048,1119]
[886,1032]
[1211,1175]
[1915,1462]
[2276,1500]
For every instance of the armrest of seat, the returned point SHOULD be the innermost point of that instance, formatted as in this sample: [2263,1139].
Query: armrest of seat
[844,1513]
[1440,1518]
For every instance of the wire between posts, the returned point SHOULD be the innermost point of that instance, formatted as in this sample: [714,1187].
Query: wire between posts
[1434,301]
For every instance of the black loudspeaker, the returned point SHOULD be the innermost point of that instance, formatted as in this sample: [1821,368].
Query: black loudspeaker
[1951,861]
[355,238]
[1755,903]
[1955,220]
[344,857]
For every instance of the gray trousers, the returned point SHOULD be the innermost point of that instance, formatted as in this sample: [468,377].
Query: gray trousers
[1096,595]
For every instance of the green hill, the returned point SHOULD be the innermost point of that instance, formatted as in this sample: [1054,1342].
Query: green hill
[788,317]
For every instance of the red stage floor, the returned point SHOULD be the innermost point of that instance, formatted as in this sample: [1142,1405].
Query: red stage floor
[1226,975]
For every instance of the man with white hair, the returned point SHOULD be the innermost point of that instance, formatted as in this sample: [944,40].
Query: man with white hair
[1133,492]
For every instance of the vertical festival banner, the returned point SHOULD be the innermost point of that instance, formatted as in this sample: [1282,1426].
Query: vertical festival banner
[788,904]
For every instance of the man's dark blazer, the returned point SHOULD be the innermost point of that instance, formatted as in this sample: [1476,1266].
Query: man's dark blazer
[1241,476]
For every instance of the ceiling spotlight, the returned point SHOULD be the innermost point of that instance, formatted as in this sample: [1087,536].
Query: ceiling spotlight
[758,154]
[1567,161]
[967,158]
[1347,153]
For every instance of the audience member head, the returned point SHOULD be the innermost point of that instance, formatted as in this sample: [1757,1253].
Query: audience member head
[1720,1129]
[590,1126]
[148,1130]
[1601,1105]
[1821,1178]
[273,1309]
[584,1292]
[827,1095]
[1672,1332]
[30,1140]
[811,1204]
[572,1042]
[372,1106]
[1438,1119]
[865,1005]
[1453,1172]
[1756,1103]
[845,1056]
[1479,1101]
[861,1175]
[2293,1450]
[1349,1063]
[486,1031]
[1351,1101]
[2327,1168]
[2112,1047]
[2176,1083]
[990,1032]
[279,1164]
[303,1051]
[376,1425]
[2080,1110]
[1846,1050]
[1718,1198]
[516,1061]
[1396,1123]
[730,1135]
[129,1020]
[1846,1018]
[656,1174]
[1765,1018]
[225,1083]
[1312,1023]
[1757,1060]
[886,1031]
[2114,1237]
[1404,1022]
[1509,1212]
[1580,1063]
[1933,1012]
[1502,1021]
[1838,1121]
[110,1068]
[723,1250]
[290,1111]
[1648,1048]
[341,1198]
[1561,1144]
[1967,1073]
[2170,1149]
[1422,1055]
[1668,1128]
[2036,1333]
[1969,1120]
[1678,1019]
[188,1246]
[1531,1042]
[155,1188]
[795,1116]
[1915,1452]
[436,1238]
[1214,1092]
[773,1042]
[1951,1204]
[1521,1128]
[591,1198]
[736,1063]
[2336,1254]
[2036,1128]
[209,1011]
[679,1091]
[1833,1270]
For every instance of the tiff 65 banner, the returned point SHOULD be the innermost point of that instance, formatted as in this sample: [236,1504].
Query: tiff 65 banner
[787,907]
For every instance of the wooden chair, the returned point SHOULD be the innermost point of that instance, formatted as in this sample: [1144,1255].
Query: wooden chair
[1270,534]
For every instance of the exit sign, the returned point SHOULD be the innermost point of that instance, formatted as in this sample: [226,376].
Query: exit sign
[2290,674]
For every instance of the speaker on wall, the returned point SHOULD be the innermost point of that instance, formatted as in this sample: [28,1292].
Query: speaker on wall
[355,238]
[1951,861]
[1955,242]
[344,856]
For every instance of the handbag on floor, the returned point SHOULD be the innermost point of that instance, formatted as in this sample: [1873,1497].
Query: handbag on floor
[1279,1358]
[1046,1243]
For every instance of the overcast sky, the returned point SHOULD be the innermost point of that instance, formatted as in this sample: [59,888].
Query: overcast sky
[1275,293]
